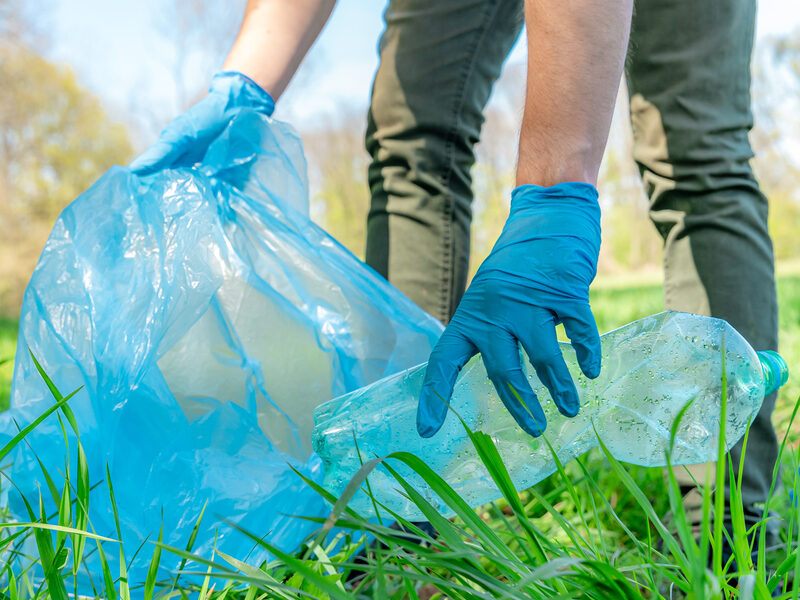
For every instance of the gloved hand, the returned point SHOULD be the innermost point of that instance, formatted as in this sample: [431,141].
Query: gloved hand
[185,140]
[536,276]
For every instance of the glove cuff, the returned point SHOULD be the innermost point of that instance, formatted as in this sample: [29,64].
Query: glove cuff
[571,189]
[572,199]
[242,91]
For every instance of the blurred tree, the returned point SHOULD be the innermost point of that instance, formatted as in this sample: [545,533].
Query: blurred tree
[494,173]
[776,137]
[200,32]
[55,140]
[630,242]
[337,160]
[197,36]
[22,22]
[338,178]
[493,178]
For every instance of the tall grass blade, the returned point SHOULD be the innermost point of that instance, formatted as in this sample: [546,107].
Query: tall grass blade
[51,486]
[152,571]
[640,498]
[124,587]
[762,531]
[256,574]
[8,540]
[195,558]
[64,507]
[451,535]
[673,430]
[35,423]
[190,544]
[366,481]
[571,531]
[464,511]
[600,494]
[350,491]
[44,545]
[58,528]
[206,581]
[719,491]
[13,594]
[108,580]
[81,507]
[796,586]
[741,541]
[490,457]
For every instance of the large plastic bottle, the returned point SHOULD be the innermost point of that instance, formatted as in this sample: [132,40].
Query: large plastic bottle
[651,369]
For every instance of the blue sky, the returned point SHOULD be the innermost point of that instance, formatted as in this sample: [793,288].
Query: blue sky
[119,52]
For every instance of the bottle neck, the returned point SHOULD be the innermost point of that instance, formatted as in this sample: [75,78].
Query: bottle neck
[775,370]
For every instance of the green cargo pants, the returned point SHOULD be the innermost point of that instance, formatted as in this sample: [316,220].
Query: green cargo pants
[689,80]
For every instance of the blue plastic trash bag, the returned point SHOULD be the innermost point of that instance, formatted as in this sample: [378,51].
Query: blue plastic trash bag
[205,316]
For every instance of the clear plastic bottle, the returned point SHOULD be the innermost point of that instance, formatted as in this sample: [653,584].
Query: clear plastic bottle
[651,369]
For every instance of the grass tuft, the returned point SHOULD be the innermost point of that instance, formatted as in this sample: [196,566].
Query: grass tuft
[595,529]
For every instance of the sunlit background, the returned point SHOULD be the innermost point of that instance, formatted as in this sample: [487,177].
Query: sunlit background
[85,84]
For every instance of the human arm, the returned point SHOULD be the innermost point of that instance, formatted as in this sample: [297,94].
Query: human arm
[273,39]
[539,271]
[576,51]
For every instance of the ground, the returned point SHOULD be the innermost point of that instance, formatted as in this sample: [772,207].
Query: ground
[595,520]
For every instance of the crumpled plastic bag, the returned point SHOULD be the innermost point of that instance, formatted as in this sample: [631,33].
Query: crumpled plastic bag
[205,316]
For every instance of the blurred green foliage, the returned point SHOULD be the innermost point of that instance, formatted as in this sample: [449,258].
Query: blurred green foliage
[615,306]
[340,196]
[55,137]
[8,344]
[337,168]
[55,141]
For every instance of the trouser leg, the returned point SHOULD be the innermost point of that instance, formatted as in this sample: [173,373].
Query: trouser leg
[438,62]
[689,79]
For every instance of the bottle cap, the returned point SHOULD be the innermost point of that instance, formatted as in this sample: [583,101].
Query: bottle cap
[776,373]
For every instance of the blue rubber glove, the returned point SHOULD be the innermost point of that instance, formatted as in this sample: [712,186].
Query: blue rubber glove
[536,276]
[185,140]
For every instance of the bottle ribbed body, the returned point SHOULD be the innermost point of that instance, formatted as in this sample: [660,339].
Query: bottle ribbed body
[652,369]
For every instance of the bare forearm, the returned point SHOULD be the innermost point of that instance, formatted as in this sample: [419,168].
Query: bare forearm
[576,52]
[274,37]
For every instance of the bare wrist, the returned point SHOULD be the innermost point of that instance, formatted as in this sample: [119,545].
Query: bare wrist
[547,168]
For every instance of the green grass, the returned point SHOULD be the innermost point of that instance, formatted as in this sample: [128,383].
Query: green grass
[592,530]
[614,307]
